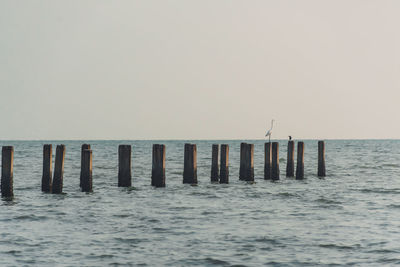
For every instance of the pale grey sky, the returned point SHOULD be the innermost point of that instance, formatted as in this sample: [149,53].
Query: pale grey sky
[199,69]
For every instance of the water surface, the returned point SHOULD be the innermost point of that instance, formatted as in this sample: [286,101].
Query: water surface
[352,217]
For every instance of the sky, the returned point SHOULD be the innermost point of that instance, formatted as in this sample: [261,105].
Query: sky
[206,69]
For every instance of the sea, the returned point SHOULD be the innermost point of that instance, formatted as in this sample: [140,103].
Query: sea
[351,217]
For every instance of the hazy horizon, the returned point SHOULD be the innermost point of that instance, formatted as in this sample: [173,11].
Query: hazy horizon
[186,139]
[199,70]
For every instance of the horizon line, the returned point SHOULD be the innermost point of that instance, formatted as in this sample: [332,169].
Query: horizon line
[205,139]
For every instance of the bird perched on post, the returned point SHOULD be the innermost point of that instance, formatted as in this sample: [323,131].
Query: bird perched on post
[290,138]
[270,131]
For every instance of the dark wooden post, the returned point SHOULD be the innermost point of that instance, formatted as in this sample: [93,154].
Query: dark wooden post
[84,146]
[267,161]
[249,159]
[57,186]
[214,163]
[275,161]
[290,160]
[224,171]
[190,164]
[158,166]
[86,171]
[7,171]
[124,166]
[300,161]
[242,170]
[321,159]
[47,168]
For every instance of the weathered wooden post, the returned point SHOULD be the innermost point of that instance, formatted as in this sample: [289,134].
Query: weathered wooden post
[83,147]
[47,168]
[86,171]
[224,170]
[321,159]
[275,161]
[7,171]
[249,160]
[214,163]
[290,160]
[242,170]
[124,166]
[300,161]
[190,164]
[267,161]
[158,166]
[57,186]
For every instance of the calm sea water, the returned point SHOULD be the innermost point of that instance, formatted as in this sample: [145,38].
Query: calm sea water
[352,217]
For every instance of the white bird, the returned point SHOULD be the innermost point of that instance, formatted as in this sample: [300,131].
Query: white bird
[270,131]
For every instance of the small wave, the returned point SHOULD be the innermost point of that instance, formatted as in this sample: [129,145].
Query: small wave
[176,173]
[160,229]
[299,214]
[383,251]
[105,167]
[102,256]
[397,261]
[268,241]
[248,247]
[390,165]
[209,212]
[30,218]
[216,262]
[327,201]
[379,191]
[129,189]
[287,194]
[18,165]
[129,240]
[394,206]
[366,167]
[121,215]
[28,188]
[13,252]
[377,243]
[181,208]
[335,246]
[253,195]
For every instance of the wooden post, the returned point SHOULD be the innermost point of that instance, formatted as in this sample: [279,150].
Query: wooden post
[47,168]
[190,164]
[84,146]
[249,159]
[214,163]
[275,161]
[290,160]
[300,161]
[86,171]
[124,166]
[321,159]
[267,161]
[224,171]
[158,166]
[7,171]
[242,170]
[57,186]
